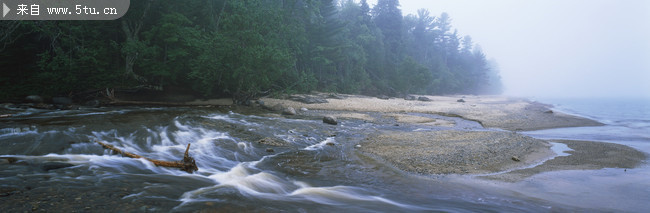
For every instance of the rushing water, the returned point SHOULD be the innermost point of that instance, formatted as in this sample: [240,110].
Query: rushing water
[60,167]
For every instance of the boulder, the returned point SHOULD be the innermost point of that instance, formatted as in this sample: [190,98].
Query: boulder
[302,109]
[422,98]
[272,141]
[330,120]
[460,101]
[62,101]
[410,98]
[34,99]
[289,111]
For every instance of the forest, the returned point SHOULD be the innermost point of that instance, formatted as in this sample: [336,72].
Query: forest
[245,49]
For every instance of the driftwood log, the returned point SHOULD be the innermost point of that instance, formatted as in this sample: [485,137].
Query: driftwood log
[187,164]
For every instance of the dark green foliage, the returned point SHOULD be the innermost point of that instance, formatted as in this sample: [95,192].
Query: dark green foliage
[246,48]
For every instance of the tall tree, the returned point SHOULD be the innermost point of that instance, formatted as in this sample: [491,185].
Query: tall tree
[132,25]
[388,18]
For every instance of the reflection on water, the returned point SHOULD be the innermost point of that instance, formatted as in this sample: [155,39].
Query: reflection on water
[317,169]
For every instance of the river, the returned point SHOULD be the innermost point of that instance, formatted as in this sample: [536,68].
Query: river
[59,167]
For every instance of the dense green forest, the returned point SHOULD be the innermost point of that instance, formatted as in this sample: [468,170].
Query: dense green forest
[244,49]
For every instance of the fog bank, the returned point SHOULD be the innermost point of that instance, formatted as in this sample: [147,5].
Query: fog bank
[577,48]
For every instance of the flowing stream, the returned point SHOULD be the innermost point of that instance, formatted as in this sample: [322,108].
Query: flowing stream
[59,167]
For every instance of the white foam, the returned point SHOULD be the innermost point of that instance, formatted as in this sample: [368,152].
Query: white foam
[322,144]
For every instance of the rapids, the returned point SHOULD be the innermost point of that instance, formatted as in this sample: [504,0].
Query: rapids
[59,167]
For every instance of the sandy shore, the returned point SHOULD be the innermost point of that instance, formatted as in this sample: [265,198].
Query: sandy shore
[460,151]
[501,112]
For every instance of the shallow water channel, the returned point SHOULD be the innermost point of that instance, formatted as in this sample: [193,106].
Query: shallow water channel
[50,162]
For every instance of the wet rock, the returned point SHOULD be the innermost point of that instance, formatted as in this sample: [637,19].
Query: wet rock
[330,144]
[410,98]
[289,111]
[515,158]
[34,99]
[270,150]
[25,106]
[548,111]
[307,99]
[335,96]
[303,109]
[66,107]
[7,105]
[55,165]
[8,160]
[8,191]
[330,120]
[43,106]
[460,101]
[272,141]
[93,103]
[65,101]
[383,97]
[422,98]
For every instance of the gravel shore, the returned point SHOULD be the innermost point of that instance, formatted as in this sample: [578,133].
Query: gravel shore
[459,151]
[456,152]
[585,155]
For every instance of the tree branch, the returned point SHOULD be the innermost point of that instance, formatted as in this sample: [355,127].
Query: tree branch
[187,164]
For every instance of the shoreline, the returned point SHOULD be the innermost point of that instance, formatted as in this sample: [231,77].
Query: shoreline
[496,151]
[513,114]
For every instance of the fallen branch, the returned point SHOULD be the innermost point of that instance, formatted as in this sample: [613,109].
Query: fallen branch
[187,164]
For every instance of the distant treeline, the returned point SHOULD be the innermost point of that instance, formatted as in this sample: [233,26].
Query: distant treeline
[245,48]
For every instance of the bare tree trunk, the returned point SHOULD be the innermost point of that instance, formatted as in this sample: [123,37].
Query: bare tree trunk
[187,164]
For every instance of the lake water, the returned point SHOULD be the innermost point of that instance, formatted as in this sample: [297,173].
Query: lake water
[627,122]
[307,174]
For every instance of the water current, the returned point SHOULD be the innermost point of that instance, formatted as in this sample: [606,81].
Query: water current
[59,166]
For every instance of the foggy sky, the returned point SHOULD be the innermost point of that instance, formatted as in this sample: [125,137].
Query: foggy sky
[560,48]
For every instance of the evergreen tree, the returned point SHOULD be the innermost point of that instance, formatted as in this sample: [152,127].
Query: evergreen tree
[246,48]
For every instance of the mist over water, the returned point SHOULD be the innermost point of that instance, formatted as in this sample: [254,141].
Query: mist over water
[578,48]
